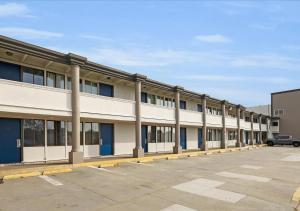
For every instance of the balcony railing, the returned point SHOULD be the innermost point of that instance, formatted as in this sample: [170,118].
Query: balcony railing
[159,114]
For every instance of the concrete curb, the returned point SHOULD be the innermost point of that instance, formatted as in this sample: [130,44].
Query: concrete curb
[296,195]
[37,171]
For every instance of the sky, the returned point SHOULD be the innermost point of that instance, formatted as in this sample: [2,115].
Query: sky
[240,51]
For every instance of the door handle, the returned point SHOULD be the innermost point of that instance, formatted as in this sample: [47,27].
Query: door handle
[18,143]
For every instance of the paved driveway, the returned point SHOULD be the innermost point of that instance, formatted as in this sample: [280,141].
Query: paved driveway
[259,179]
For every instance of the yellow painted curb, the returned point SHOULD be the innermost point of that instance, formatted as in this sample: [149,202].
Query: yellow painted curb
[56,171]
[23,175]
[145,160]
[103,165]
[296,195]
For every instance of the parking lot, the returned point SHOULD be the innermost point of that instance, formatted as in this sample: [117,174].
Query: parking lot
[259,179]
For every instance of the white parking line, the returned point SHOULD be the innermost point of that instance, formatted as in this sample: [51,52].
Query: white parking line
[207,188]
[177,207]
[243,176]
[108,171]
[292,158]
[251,167]
[50,180]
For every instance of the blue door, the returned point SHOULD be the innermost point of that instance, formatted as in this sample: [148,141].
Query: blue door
[107,137]
[247,137]
[145,137]
[199,137]
[10,131]
[183,137]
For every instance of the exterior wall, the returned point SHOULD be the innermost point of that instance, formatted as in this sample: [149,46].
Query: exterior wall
[124,92]
[192,138]
[124,138]
[290,103]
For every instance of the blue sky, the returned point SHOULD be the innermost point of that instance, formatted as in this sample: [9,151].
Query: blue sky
[235,50]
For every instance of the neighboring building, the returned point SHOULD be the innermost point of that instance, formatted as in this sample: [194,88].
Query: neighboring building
[56,106]
[285,112]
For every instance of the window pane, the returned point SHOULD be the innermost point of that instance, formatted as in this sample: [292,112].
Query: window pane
[69,83]
[69,133]
[28,76]
[39,77]
[153,134]
[88,87]
[39,133]
[50,133]
[60,133]
[28,126]
[159,134]
[94,88]
[60,81]
[50,79]
[88,134]
[95,133]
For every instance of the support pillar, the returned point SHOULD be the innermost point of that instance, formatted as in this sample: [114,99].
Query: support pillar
[223,141]
[204,128]
[75,156]
[251,132]
[177,149]
[260,130]
[238,117]
[138,151]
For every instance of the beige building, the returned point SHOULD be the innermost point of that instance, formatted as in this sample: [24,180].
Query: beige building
[56,106]
[285,112]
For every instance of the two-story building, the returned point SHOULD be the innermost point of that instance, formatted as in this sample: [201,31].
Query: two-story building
[56,106]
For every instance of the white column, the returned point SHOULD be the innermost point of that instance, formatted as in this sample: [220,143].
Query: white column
[177,149]
[238,117]
[204,143]
[223,141]
[251,132]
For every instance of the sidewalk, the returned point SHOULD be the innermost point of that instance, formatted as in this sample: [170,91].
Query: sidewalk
[28,170]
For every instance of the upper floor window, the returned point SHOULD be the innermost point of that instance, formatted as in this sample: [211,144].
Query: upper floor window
[10,71]
[199,108]
[182,104]
[151,99]
[160,100]
[213,111]
[33,76]
[247,119]
[169,102]
[55,80]
[106,90]
[90,87]
[278,112]
[144,97]
[275,124]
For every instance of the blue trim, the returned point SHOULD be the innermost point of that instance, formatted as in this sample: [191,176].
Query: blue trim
[10,131]
[182,104]
[199,137]
[10,71]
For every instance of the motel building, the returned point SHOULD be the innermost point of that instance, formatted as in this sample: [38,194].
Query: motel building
[56,106]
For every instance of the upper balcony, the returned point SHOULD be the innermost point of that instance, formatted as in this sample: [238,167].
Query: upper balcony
[256,126]
[230,122]
[19,97]
[264,127]
[157,114]
[245,125]
[188,117]
[213,120]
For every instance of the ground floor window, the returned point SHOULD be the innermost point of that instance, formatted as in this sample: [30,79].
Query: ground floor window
[92,133]
[214,134]
[55,133]
[161,134]
[232,135]
[34,132]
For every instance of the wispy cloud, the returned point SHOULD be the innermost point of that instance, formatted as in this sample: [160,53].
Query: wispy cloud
[14,9]
[228,78]
[97,38]
[213,38]
[28,33]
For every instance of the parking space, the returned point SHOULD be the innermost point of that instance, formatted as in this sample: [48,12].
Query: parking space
[260,179]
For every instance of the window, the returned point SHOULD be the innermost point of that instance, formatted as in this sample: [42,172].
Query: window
[278,112]
[247,119]
[213,111]
[55,133]
[159,135]
[151,99]
[69,133]
[232,135]
[106,90]
[169,102]
[255,120]
[55,80]
[92,133]
[168,134]
[10,71]
[182,104]
[69,83]
[214,135]
[152,134]
[33,76]
[199,108]
[144,97]
[275,124]
[34,133]
[90,87]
